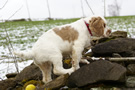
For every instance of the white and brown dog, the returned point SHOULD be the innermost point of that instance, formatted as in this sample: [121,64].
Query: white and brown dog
[66,39]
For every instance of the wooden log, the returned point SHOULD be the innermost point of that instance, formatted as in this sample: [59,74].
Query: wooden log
[117,59]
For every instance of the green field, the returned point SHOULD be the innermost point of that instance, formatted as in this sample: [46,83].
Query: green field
[123,23]
[20,30]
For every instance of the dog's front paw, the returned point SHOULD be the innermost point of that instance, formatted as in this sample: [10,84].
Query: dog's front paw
[85,61]
[71,70]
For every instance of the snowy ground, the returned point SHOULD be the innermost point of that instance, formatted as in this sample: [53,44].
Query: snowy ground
[23,35]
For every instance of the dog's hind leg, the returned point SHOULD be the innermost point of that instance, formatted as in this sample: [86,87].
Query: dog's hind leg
[46,69]
[58,66]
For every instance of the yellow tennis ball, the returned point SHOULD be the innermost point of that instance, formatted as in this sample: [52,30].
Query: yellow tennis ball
[30,87]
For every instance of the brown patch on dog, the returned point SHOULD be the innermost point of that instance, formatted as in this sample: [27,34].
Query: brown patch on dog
[67,33]
[97,25]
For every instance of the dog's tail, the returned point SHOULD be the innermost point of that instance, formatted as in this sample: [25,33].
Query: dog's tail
[24,54]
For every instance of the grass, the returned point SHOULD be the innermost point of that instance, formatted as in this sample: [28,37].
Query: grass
[30,29]
[124,23]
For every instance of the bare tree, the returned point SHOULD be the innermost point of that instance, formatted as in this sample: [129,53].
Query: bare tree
[28,10]
[104,8]
[114,9]
[82,8]
[48,9]
[89,6]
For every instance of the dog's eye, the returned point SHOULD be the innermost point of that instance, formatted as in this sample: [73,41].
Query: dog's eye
[104,25]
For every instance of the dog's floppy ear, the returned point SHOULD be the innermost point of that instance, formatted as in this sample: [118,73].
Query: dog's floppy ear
[97,25]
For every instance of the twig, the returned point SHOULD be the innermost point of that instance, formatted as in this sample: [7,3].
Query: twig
[15,12]
[9,43]
[4,4]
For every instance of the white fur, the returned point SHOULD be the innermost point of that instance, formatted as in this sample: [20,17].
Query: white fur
[49,48]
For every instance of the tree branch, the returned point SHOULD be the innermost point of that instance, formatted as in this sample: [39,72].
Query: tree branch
[4,4]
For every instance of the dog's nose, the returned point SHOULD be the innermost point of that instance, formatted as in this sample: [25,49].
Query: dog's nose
[108,33]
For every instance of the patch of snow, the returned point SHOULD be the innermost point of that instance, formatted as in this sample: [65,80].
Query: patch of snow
[6,68]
